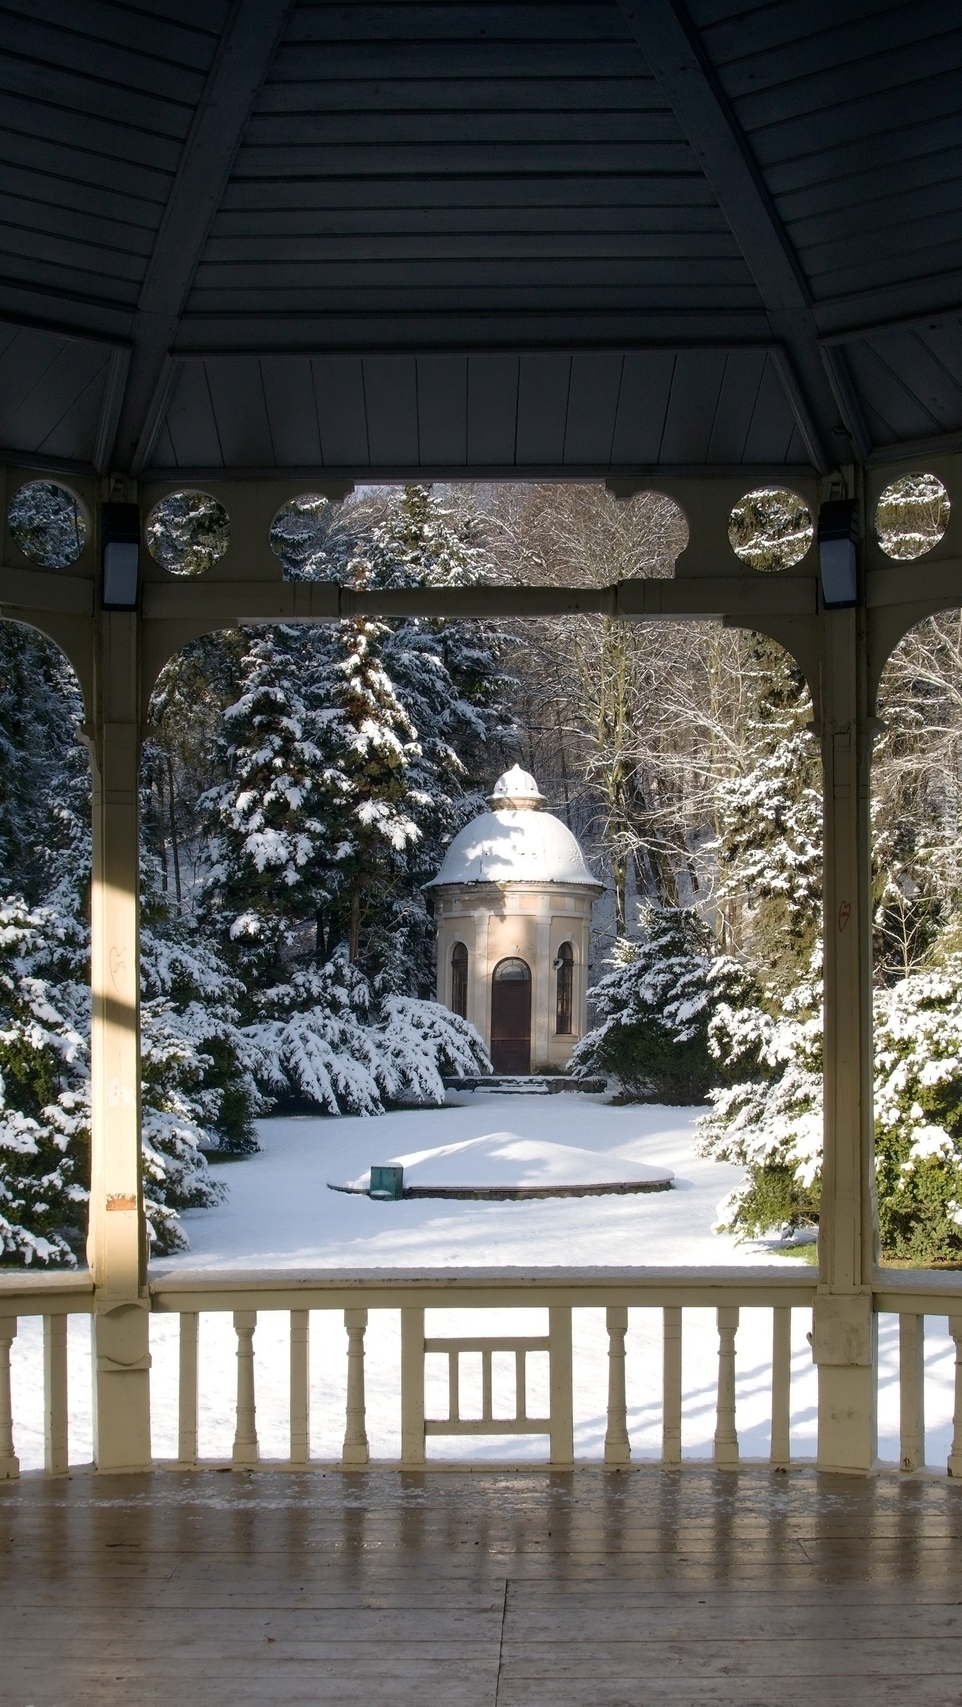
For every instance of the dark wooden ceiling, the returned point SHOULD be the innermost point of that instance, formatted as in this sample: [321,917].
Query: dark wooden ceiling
[523,238]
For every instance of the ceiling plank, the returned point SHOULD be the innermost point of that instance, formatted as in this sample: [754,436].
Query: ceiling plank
[243,58]
[678,60]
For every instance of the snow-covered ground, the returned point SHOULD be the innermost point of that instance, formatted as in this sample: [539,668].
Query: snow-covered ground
[280,1214]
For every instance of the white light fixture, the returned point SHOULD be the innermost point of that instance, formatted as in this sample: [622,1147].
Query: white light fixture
[838,553]
[120,534]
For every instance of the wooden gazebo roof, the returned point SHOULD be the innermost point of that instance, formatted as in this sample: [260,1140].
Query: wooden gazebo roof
[478,240]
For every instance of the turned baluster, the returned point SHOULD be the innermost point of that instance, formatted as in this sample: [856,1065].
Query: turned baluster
[300,1386]
[9,1462]
[412,1385]
[617,1444]
[955,1456]
[912,1391]
[671,1388]
[726,1437]
[187,1390]
[781,1452]
[355,1433]
[561,1384]
[245,1437]
[55,1395]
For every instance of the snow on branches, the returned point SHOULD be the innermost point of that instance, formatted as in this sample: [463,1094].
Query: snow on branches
[329,1040]
[657,1008]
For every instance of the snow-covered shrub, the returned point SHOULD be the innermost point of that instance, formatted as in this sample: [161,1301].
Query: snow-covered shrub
[918,1113]
[657,1007]
[44,1134]
[768,1118]
[327,1039]
[199,1090]
[771,1123]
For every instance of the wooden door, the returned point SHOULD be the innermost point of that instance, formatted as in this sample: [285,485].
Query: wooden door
[511,1017]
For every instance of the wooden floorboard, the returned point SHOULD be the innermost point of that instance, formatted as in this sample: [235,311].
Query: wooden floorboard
[594,1589]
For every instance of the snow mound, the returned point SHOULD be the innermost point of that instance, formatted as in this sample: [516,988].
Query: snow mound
[505,1162]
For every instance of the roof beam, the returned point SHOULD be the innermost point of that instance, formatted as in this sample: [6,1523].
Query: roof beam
[679,64]
[245,53]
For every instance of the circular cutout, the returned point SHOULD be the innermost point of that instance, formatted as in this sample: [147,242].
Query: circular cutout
[47,523]
[912,515]
[187,532]
[298,536]
[770,528]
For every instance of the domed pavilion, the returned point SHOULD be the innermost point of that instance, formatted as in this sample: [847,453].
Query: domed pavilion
[513,906]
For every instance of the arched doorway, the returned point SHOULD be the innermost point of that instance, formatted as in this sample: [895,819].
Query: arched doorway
[511,1017]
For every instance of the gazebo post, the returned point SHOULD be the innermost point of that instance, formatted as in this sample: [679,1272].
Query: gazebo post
[116,1246]
[844,1327]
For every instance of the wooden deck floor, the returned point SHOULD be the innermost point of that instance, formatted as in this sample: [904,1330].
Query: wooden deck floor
[492,1590]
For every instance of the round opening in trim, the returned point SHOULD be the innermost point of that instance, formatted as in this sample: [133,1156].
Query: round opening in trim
[911,516]
[299,535]
[770,528]
[48,524]
[187,532]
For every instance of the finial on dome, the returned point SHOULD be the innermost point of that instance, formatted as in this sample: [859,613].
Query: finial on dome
[516,788]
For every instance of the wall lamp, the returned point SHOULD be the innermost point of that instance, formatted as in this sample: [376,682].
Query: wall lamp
[120,535]
[838,553]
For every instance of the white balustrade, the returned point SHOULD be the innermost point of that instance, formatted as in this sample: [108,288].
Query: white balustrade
[190,1296]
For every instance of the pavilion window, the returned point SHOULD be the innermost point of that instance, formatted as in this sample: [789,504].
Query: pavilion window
[459,980]
[564,1008]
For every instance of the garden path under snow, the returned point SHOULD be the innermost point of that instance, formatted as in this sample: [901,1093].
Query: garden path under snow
[280,1214]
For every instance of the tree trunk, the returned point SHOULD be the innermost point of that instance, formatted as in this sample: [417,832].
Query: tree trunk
[354,932]
[173,829]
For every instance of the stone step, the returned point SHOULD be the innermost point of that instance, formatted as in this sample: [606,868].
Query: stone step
[527,1084]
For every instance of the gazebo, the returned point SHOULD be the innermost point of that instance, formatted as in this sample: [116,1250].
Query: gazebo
[272,247]
[513,904]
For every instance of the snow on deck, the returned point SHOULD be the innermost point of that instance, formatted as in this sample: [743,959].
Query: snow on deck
[280,1214]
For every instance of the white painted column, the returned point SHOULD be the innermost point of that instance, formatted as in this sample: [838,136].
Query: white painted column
[543,1007]
[116,1243]
[844,1326]
[479,1012]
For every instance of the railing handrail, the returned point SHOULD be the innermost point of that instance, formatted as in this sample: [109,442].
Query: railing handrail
[64,1292]
[479,1288]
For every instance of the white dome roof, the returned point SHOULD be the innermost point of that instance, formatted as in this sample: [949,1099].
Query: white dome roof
[516,788]
[515,844]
